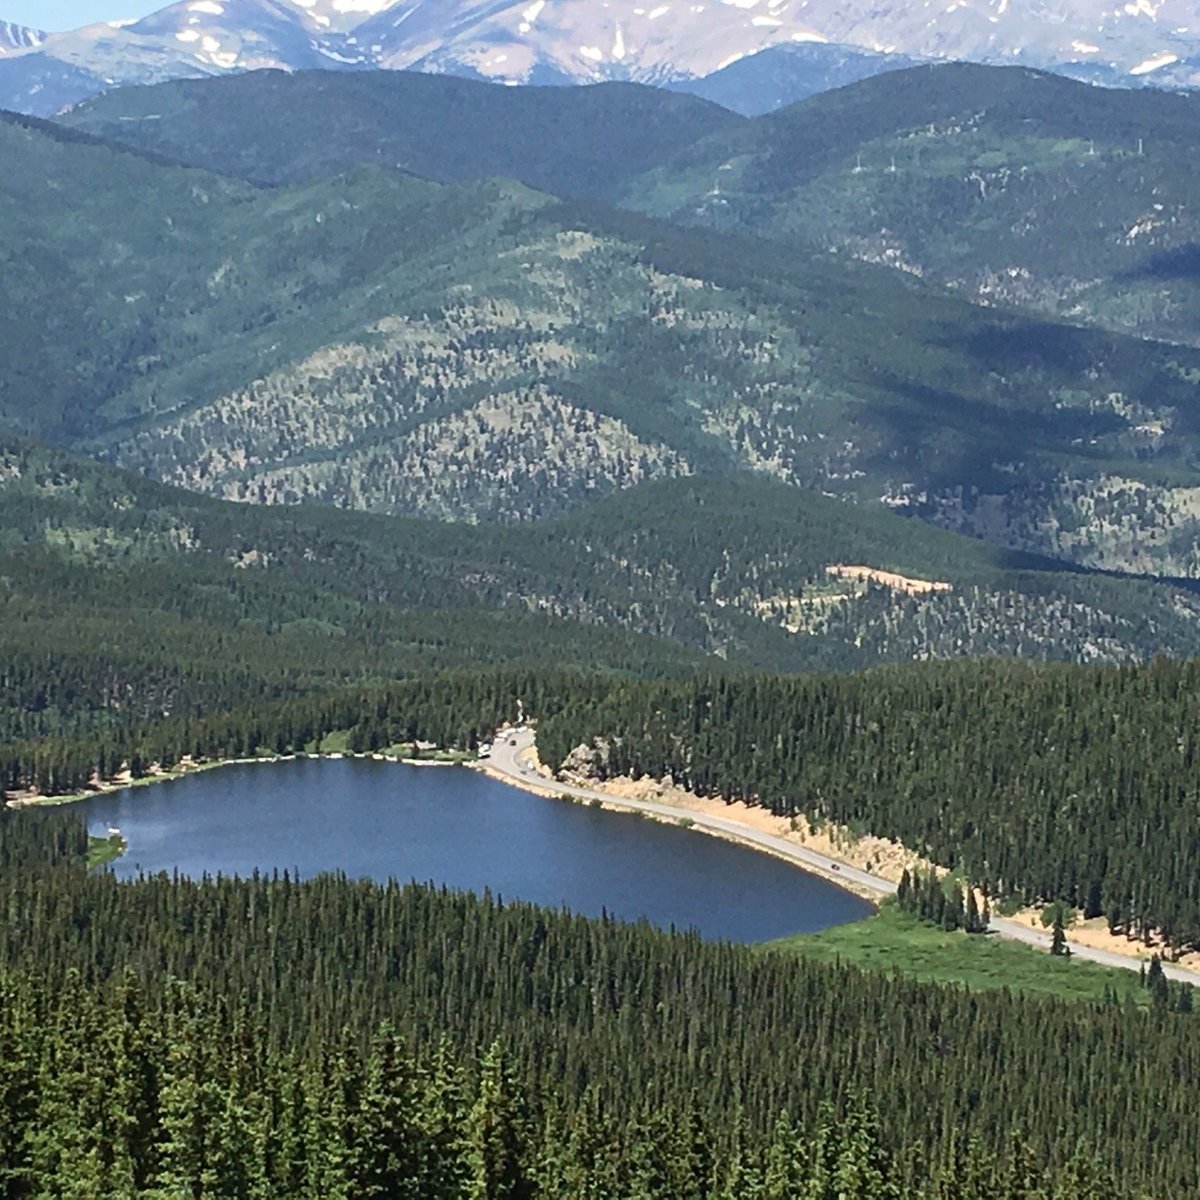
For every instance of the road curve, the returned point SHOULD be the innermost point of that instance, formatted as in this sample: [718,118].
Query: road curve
[509,760]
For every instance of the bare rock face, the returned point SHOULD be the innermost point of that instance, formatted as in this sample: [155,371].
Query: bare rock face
[583,761]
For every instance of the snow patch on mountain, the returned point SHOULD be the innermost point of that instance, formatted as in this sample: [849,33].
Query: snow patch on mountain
[1154,63]
[584,40]
[341,16]
[15,39]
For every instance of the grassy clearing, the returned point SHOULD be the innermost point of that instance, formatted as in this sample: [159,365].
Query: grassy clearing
[338,742]
[896,941]
[104,850]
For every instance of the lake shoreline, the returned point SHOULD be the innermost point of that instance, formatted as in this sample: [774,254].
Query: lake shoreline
[20,800]
[546,789]
[883,861]
[463,831]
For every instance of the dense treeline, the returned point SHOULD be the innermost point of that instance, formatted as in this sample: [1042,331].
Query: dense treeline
[449,710]
[333,1038]
[1041,782]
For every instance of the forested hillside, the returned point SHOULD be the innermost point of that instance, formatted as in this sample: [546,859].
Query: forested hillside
[1011,185]
[166,1036]
[482,352]
[125,600]
[274,128]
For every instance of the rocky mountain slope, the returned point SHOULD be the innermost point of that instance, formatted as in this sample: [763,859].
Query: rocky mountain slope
[579,41]
[481,351]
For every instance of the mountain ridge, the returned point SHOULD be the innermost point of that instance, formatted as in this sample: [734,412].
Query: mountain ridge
[484,352]
[1014,186]
[297,127]
[577,41]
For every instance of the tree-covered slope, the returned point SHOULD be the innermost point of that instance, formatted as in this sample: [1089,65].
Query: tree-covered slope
[482,352]
[1012,185]
[275,128]
[125,601]
[1043,782]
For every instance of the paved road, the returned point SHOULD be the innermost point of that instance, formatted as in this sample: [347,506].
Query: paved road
[509,759]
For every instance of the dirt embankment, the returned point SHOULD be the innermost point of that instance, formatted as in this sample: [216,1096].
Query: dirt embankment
[879,856]
[898,583]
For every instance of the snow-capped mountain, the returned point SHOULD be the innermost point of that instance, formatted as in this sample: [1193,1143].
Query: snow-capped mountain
[650,40]
[584,39]
[203,37]
[577,41]
[15,38]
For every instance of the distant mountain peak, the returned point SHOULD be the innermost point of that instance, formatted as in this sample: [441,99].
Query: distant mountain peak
[343,15]
[582,40]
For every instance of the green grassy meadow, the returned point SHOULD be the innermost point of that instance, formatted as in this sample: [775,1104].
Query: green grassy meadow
[893,940]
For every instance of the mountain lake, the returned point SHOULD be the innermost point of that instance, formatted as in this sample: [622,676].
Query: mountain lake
[456,827]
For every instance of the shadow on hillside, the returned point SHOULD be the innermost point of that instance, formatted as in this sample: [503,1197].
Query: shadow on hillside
[1183,262]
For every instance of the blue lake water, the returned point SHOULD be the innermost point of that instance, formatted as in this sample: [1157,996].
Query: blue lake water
[460,828]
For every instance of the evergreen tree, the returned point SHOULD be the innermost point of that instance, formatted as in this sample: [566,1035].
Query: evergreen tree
[1058,936]
[786,1170]
[497,1134]
[389,1141]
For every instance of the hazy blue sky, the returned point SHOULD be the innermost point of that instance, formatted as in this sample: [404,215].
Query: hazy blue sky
[69,14]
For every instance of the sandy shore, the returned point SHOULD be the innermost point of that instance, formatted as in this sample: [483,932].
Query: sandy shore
[877,855]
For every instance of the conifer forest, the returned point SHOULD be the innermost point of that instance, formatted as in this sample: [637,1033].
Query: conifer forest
[269,1037]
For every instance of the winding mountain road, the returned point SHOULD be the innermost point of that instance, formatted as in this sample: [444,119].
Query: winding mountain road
[509,760]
